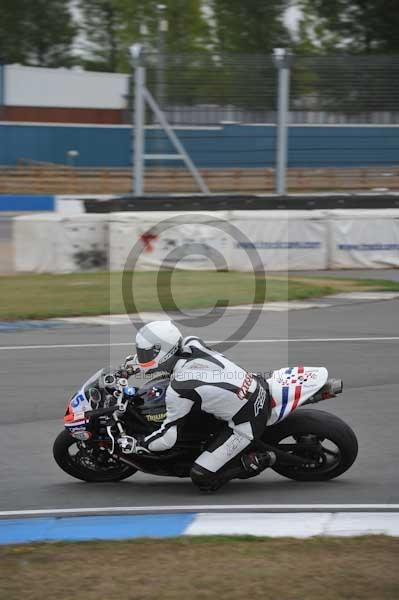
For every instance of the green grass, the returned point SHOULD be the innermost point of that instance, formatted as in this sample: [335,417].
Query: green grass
[205,568]
[44,296]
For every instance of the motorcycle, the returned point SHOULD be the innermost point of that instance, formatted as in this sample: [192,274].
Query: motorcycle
[309,444]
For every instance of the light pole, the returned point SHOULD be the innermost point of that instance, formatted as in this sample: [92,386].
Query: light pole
[162,30]
[136,53]
[282,60]
[160,95]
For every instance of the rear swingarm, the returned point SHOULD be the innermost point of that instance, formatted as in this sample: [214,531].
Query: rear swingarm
[282,457]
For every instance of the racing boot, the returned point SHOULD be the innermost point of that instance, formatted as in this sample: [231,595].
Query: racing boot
[254,463]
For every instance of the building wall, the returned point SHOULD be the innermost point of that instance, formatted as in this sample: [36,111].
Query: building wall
[343,146]
[224,146]
[51,114]
[34,86]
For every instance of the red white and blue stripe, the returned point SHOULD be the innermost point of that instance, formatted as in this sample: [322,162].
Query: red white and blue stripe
[291,395]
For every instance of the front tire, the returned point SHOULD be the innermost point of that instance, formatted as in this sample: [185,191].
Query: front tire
[87,462]
[323,438]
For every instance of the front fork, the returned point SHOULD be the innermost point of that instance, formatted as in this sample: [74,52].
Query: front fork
[116,422]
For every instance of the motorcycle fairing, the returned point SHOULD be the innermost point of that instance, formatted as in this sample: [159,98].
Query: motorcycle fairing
[292,386]
[74,420]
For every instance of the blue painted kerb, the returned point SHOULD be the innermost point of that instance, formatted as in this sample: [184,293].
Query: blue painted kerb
[26,324]
[114,527]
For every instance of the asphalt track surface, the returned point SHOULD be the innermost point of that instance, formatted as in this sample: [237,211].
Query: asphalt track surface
[40,368]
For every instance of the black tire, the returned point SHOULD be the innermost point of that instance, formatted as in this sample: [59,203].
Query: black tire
[324,426]
[71,465]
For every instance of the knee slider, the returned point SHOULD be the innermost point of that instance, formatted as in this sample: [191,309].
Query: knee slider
[205,480]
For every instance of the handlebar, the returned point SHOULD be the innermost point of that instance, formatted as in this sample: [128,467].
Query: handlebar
[100,412]
[116,381]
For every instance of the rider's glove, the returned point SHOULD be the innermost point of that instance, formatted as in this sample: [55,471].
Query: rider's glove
[122,373]
[126,371]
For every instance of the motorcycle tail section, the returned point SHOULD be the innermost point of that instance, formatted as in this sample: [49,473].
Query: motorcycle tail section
[292,387]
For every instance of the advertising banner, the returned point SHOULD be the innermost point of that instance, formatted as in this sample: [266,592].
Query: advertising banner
[279,240]
[364,239]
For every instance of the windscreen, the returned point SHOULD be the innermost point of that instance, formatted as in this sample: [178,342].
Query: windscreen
[93,388]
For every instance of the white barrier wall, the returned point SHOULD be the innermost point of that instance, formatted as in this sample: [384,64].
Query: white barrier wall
[168,240]
[279,240]
[236,240]
[240,240]
[49,243]
[363,239]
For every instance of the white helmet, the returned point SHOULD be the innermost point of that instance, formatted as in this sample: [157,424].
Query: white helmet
[157,343]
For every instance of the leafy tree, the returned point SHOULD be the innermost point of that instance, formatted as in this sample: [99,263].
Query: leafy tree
[188,30]
[250,26]
[103,25]
[353,73]
[111,26]
[36,33]
[357,26]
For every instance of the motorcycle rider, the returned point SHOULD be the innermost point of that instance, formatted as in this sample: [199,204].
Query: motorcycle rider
[200,375]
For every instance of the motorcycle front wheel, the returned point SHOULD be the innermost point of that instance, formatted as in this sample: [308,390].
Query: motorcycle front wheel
[327,443]
[87,461]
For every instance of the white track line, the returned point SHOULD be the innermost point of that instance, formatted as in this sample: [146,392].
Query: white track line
[203,508]
[267,341]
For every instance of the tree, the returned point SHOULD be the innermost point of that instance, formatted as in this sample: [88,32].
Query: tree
[111,26]
[103,26]
[357,26]
[335,80]
[252,26]
[36,33]
[188,30]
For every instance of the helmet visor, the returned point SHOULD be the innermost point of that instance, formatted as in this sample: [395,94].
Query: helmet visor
[146,356]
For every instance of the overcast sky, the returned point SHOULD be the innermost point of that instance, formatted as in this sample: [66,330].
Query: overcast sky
[292,16]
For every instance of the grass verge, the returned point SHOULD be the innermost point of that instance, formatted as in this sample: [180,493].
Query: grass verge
[82,294]
[203,568]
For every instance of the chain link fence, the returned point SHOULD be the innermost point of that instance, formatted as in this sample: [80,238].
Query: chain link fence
[196,90]
[345,90]
[342,129]
[340,89]
[343,122]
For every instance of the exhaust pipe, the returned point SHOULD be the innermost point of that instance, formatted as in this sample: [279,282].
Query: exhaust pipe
[330,389]
[335,386]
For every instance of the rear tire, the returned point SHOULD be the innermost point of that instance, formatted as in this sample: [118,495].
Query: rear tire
[74,464]
[308,424]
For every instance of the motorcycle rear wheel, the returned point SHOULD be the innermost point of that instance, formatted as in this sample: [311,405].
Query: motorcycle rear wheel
[329,443]
[80,462]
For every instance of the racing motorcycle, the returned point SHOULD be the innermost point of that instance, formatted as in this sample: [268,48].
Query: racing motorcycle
[309,444]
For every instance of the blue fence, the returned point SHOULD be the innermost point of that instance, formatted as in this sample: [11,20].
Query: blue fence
[26,203]
[224,146]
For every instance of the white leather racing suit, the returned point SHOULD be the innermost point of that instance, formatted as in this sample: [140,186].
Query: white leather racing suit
[221,388]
